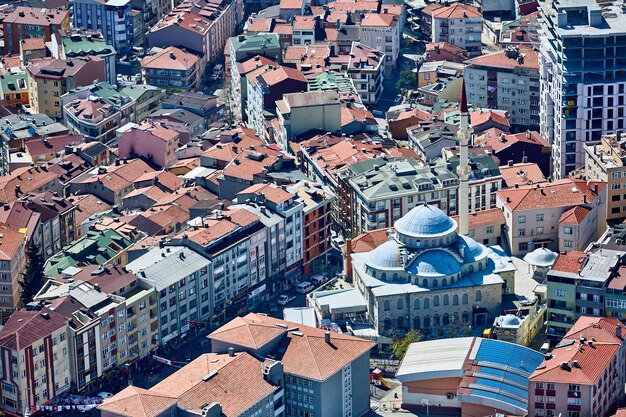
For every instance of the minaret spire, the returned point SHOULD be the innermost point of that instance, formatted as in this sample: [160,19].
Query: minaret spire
[463,170]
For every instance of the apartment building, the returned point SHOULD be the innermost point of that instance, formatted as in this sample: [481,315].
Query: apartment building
[576,287]
[199,388]
[584,374]
[12,265]
[560,215]
[183,282]
[111,18]
[583,87]
[506,80]
[266,88]
[172,68]
[31,22]
[202,26]
[236,241]
[94,318]
[14,87]
[50,78]
[239,83]
[285,241]
[366,69]
[34,360]
[316,214]
[301,112]
[331,380]
[151,141]
[382,32]
[605,162]
[146,99]
[460,25]
[515,148]
[78,44]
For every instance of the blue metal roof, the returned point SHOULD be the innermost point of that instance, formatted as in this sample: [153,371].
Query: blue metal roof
[499,397]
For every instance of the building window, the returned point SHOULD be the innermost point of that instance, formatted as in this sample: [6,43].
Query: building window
[387,305]
[568,230]
[521,219]
[521,232]
[479,295]
[539,230]
[489,229]
[568,244]
[400,304]
[522,246]
[561,292]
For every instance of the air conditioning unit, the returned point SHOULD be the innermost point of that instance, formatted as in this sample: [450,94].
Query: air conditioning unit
[450,396]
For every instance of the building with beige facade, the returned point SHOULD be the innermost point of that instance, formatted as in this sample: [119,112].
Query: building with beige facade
[12,265]
[560,215]
[605,161]
[34,356]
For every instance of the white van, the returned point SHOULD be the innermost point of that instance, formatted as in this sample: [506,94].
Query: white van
[304,287]
[318,280]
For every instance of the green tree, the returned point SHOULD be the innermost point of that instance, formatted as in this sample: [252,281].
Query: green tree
[33,277]
[400,345]
[406,80]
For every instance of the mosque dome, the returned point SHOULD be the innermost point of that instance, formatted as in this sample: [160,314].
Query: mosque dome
[425,221]
[510,321]
[541,257]
[473,251]
[385,256]
[435,263]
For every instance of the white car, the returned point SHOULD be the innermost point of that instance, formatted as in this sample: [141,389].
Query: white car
[284,299]
[104,395]
[85,408]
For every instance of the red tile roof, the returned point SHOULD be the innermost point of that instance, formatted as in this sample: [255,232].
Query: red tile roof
[379,20]
[575,215]
[51,145]
[522,174]
[480,117]
[457,11]
[138,402]
[529,60]
[305,353]
[585,362]
[368,241]
[571,262]
[23,328]
[561,193]
[11,241]
[484,217]
[170,58]
[500,140]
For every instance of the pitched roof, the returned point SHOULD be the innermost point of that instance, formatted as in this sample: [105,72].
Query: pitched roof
[585,362]
[171,58]
[379,20]
[561,193]
[575,215]
[368,241]
[303,352]
[52,144]
[522,58]
[484,217]
[500,140]
[28,179]
[11,240]
[457,11]
[23,328]
[86,206]
[572,262]
[524,173]
[138,402]
[480,117]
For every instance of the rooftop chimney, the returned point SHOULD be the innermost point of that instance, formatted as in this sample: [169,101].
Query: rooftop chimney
[231,352]
[327,337]
[618,332]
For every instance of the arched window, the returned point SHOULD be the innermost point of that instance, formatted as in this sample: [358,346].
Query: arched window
[451,280]
[418,243]
[425,283]
[444,282]
[480,266]
[426,322]
[479,295]
[456,318]
[395,277]
[387,324]
[455,300]
[440,242]
[465,299]
[401,322]
[436,320]
[387,305]
[426,303]
[416,304]
[383,277]
[446,299]
[417,323]
[435,283]
[374,273]
[446,319]
[471,268]
[436,301]
[465,317]
[400,304]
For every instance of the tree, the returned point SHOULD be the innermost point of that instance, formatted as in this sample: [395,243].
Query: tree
[406,80]
[400,345]
[34,276]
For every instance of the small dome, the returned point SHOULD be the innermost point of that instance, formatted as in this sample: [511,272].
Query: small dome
[435,263]
[542,257]
[425,221]
[386,256]
[473,251]
[510,321]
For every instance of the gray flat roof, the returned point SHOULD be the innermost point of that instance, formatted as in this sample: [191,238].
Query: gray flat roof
[443,358]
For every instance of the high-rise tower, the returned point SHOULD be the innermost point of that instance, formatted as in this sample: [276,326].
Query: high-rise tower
[463,170]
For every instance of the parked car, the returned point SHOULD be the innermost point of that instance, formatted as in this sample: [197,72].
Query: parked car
[304,287]
[318,280]
[284,299]
[104,395]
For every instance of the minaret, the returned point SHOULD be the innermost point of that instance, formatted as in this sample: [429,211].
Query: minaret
[463,170]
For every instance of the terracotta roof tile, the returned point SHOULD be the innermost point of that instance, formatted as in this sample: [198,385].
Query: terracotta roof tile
[575,215]
[484,217]
[500,140]
[457,11]
[522,174]
[561,193]
[23,328]
[379,20]
[530,60]
[368,241]
[571,262]
[138,402]
[480,117]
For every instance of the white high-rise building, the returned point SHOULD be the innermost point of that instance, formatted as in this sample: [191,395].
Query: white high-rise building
[583,76]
